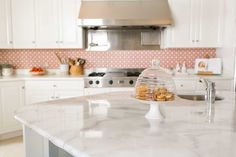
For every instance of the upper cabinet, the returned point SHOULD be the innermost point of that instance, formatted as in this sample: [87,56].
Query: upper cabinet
[56,24]
[197,23]
[70,33]
[23,23]
[45,24]
[5,24]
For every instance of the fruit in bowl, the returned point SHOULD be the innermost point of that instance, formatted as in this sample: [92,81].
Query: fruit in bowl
[37,71]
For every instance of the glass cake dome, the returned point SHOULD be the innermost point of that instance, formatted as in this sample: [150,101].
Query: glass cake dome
[154,84]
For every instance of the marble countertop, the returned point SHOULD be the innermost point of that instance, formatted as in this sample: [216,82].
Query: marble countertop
[43,77]
[114,125]
[66,77]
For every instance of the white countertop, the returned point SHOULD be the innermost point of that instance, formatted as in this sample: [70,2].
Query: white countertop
[43,77]
[114,125]
[66,77]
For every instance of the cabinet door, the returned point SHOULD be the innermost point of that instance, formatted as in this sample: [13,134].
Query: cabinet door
[11,99]
[38,91]
[220,85]
[5,24]
[23,23]
[210,23]
[62,94]
[181,34]
[68,89]
[185,85]
[129,89]
[47,28]
[70,33]
[93,91]
[34,96]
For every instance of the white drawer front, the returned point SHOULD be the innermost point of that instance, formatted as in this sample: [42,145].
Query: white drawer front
[185,85]
[220,85]
[69,85]
[39,84]
[224,84]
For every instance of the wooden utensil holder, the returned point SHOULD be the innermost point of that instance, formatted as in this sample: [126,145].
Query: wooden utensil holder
[76,70]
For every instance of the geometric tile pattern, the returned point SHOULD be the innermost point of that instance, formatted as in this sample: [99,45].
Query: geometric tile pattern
[27,58]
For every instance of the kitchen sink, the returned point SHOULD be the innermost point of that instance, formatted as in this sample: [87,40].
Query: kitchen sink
[198,97]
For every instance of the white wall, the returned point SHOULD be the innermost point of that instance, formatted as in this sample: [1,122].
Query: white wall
[229,49]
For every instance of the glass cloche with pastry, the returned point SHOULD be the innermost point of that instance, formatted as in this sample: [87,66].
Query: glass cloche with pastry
[154,84]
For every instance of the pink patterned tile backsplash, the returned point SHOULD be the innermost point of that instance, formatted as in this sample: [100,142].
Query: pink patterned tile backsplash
[27,58]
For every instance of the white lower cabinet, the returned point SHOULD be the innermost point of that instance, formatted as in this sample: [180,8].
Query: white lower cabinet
[220,85]
[40,91]
[11,99]
[185,85]
[92,91]
[196,85]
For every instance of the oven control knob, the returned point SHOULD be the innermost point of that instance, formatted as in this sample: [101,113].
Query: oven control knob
[97,82]
[90,82]
[110,82]
[131,82]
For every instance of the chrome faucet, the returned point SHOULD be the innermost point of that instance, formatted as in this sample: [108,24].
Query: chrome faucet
[210,98]
[210,90]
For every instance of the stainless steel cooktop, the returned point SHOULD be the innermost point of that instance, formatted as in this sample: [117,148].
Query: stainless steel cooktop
[99,78]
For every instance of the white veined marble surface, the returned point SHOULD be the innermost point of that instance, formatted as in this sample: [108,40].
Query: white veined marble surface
[113,125]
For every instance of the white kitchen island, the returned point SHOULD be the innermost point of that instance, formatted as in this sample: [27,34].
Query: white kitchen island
[113,125]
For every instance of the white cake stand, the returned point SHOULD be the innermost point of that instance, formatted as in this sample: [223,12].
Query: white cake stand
[155,112]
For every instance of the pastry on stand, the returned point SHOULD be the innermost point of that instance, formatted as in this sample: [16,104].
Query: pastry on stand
[155,87]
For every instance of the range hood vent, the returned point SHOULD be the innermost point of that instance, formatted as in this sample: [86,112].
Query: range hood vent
[135,38]
[125,13]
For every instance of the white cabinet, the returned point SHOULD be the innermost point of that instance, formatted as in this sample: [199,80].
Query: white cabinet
[190,85]
[47,28]
[40,24]
[56,24]
[220,85]
[93,91]
[210,23]
[5,24]
[11,99]
[181,34]
[23,23]
[197,23]
[40,91]
[70,33]
[185,85]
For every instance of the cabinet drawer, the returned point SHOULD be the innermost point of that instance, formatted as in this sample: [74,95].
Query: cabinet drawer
[69,85]
[220,85]
[93,91]
[39,84]
[224,84]
[185,85]
[62,94]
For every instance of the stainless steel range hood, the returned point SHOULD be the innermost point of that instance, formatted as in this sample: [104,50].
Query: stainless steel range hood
[124,13]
